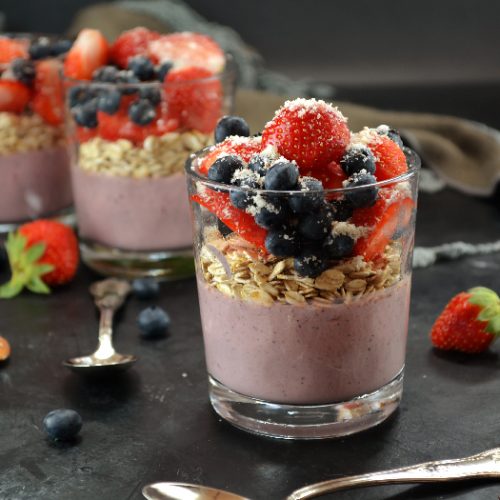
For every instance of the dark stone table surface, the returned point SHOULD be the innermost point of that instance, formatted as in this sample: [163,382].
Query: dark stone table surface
[154,423]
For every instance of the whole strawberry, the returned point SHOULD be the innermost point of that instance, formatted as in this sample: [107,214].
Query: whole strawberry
[469,323]
[311,132]
[41,253]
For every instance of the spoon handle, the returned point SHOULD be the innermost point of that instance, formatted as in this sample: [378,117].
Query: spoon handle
[482,465]
[105,348]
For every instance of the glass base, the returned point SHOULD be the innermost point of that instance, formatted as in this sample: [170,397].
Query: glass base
[306,421]
[166,265]
[66,216]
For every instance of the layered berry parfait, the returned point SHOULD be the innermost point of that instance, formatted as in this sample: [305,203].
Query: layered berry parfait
[304,239]
[34,166]
[139,108]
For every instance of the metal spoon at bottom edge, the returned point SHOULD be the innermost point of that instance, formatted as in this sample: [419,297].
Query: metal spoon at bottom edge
[480,466]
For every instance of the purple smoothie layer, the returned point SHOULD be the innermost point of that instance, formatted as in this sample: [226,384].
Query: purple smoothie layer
[132,214]
[34,184]
[305,354]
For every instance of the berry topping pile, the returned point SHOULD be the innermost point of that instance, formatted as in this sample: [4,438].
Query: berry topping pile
[279,186]
[29,77]
[152,84]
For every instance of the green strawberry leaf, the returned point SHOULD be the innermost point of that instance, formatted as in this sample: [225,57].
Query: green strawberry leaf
[10,289]
[494,326]
[489,313]
[35,252]
[484,297]
[38,286]
[44,269]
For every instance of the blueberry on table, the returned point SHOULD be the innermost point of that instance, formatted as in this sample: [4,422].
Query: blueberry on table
[106,74]
[85,114]
[316,225]
[141,112]
[223,169]
[23,70]
[142,67]
[163,69]
[153,322]
[339,246]
[282,176]
[257,164]
[145,288]
[309,198]
[357,159]
[342,210]
[62,424]
[231,125]
[282,242]
[109,101]
[151,94]
[363,196]
[310,265]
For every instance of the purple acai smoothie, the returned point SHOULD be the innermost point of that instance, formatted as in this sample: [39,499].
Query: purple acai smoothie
[144,214]
[34,184]
[306,354]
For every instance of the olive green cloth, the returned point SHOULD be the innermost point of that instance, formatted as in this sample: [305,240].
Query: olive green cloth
[466,155]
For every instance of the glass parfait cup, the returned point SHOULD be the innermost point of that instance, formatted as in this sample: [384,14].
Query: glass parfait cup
[290,355]
[128,178]
[34,165]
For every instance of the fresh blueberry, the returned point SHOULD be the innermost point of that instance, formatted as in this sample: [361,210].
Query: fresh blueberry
[316,225]
[151,94]
[223,229]
[109,101]
[106,74]
[257,164]
[40,49]
[163,70]
[309,265]
[142,67]
[146,288]
[282,176]
[391,133]
[223,169]
[62,424]
[339,246]
[86,114]
[363,196]
[23,70]
[310,198]
[127,77]
[79,94]
[59,47]
[242,198]
[342,210]
[231,125]
[357,159]
[141,112]
[273,211]
[282,242]
[153,322]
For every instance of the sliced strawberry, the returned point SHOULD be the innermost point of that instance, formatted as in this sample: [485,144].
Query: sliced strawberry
[11,49]
[134,42]
[194,96]
[188,49]
[244,147]
[84,134]
[89,52]
[311,132]
[390,159]
[14,96]
[239,221]
[331,176]
[48,97]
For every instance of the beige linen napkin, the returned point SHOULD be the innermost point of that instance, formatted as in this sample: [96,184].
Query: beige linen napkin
[465,154]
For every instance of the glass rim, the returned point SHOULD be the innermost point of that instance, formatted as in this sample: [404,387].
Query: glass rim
[228,71]
[412,158]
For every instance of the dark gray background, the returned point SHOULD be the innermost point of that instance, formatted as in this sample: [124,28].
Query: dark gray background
[362,42]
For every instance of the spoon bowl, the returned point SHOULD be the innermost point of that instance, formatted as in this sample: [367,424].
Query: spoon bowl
[184,491]
[91,363]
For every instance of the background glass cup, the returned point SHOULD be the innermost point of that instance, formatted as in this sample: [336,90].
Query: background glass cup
[297,357]
[128,179]
[34,165]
